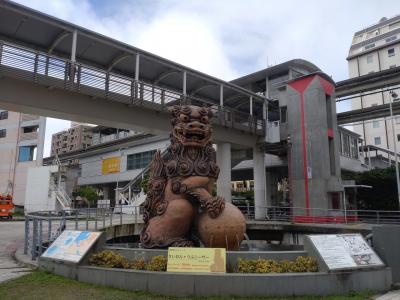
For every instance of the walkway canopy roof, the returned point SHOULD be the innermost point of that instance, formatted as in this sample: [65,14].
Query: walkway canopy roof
[33,29]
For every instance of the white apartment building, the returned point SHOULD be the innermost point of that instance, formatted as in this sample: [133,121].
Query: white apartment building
[21,147]
[373,49]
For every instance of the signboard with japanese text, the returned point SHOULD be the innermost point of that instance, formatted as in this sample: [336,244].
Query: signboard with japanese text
[111,165]
[209,260]
[71,245]
[345,251]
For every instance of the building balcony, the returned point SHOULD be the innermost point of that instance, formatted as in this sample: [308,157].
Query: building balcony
[26,117]
[28,136]
[29,120]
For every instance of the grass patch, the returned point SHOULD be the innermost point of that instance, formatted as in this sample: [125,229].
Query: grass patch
[43,286]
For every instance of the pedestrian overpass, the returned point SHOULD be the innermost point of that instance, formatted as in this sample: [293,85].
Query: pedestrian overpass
[53,68]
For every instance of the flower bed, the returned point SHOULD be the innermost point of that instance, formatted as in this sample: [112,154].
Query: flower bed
[111,259]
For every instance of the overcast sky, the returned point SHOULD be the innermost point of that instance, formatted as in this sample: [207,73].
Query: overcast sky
[227,38]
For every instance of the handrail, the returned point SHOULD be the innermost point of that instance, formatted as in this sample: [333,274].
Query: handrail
[49,70]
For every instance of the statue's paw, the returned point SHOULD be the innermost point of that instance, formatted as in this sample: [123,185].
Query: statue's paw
[178,187]
[216,207]
[182,243]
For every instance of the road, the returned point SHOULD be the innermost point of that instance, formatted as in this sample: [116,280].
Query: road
[11,238]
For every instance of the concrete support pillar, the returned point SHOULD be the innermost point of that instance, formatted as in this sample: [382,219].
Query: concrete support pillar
[251,105]
[73,47]
[259,183]
[221,95]
[224,163]
[268,190]
[184,83]
[40,144]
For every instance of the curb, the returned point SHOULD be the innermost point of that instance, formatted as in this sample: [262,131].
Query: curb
[24,260]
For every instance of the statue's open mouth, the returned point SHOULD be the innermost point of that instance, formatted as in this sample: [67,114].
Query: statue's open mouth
[192,136]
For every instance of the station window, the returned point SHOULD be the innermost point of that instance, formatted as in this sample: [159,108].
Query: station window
[139,160]
[391,39]
[369,46]
[353,147]
[3,133]
[375,124]
[398,137]
[370,58]
[4,115]
[391,52]
[377,140]
[27,153]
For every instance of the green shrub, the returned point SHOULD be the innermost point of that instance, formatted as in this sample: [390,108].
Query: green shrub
[301,264]
[157,263]
[109,259]
[138,264]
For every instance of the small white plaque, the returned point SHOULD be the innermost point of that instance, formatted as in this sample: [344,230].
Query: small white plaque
[71,245]
[344,251]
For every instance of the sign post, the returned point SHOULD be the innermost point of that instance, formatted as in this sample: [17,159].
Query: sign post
[342,251]
[206,260]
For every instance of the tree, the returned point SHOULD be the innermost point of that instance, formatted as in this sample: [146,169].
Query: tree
[89,193]
[383,195]
[144,184]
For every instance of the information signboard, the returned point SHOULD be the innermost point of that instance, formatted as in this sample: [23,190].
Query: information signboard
[110,165]
[183,259]
[345,251]
[71,245]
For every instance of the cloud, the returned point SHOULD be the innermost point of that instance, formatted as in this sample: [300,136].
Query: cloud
[229,38]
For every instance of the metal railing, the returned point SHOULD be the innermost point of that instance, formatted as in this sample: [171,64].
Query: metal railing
[41,228]
[51,71]
[321,215]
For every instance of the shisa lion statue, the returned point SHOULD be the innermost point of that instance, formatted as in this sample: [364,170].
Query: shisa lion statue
[180,209]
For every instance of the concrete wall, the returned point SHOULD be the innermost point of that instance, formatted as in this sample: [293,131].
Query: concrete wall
[239,285]
[10,167]
[37,189]
[91,172]
[386,243]
[321,179]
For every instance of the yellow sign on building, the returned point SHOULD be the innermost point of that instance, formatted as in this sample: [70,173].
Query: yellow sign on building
[196,260]
[111,165]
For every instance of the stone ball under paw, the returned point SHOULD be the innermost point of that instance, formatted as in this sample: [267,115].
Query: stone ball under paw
[225,231]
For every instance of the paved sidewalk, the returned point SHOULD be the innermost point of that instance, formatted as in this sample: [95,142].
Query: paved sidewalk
[392,295]
[11,239]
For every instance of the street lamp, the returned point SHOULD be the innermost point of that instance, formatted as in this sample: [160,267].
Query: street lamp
[394,96]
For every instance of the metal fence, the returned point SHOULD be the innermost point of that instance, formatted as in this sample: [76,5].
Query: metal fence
[51,71]
[41,228]
[320,215]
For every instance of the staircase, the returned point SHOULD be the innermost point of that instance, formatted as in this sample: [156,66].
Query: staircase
[60,194]
[131,203]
